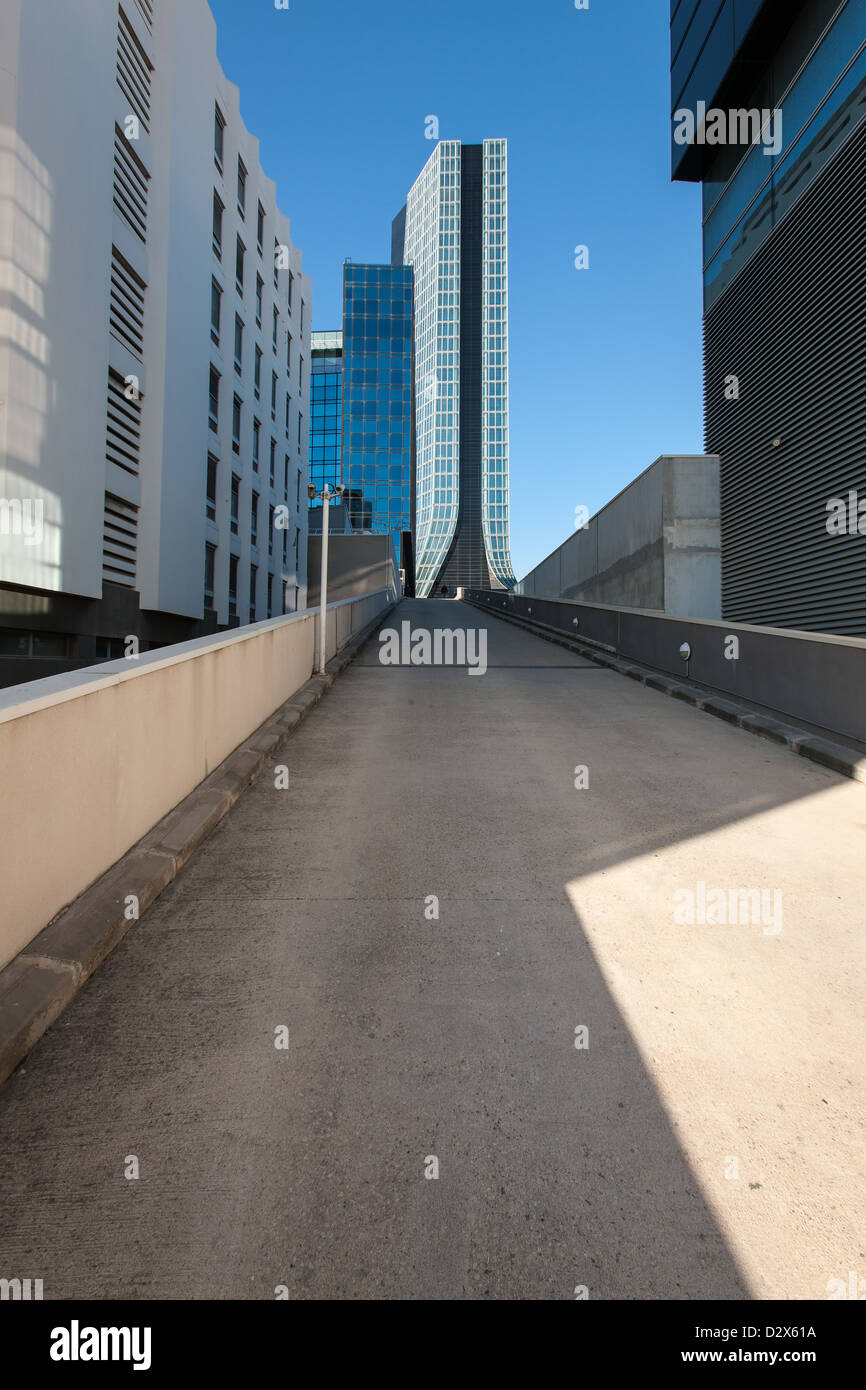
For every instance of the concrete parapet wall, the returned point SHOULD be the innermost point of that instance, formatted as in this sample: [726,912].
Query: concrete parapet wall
[816,678]
[92,759]
[655,546]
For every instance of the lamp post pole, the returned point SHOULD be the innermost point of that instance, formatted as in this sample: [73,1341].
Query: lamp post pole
[323,585]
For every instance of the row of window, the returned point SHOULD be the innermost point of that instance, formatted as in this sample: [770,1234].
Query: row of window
[219,153]
[213,470]
[255,499]
[219,209]
[216,318]
[216,313]
[237,413]
[289,589]
[15,642]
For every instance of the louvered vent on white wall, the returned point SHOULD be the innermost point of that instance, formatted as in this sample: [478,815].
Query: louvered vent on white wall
[133,70]
[130,184]
[119,541]
[126,307]
[146,8]
[123,437]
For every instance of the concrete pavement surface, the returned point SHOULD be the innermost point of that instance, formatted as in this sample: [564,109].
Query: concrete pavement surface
[526,1054]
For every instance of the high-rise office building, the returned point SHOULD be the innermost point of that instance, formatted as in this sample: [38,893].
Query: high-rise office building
[773,93]
[326,409]
[154,367]
[453,231]
[377,433]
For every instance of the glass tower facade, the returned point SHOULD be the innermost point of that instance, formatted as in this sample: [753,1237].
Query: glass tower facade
[494,358]
[326,406]
[454,233]
[378,433]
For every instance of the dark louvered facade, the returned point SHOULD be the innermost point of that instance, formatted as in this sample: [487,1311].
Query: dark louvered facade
[792,328]
[784,235]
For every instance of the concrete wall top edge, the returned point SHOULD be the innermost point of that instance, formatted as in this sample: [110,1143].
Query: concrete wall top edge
[831,639]
[55,690]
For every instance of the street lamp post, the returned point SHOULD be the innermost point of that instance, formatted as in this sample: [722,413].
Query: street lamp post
[326,494]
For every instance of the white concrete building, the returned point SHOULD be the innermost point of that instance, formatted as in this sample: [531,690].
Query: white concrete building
[154,341]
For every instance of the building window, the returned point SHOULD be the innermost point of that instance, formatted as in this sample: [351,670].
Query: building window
[273,461]
[270,595]
[300,432]
[285,590]
[257,373]
[239,343]
[219,126]
[217,225]
[216,295]
[214,399]
[242,188]
[298,497]
[236,424]
[254,576]
[212,469]
[257,429]
[297,539]
[291,282]
[276,321]
[302,319]
[239,265]
[254,519]
[301,376]
[260,284]
[286,479]
[285,548]
[276,259]
[273,395]
[209,568]
[260,229]
[233,586]
[235,504]
[288,413]
[270,530]
[289,354]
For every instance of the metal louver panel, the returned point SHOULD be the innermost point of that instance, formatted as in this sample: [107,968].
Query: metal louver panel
[791,327]
[126,304]
[119,541]
[123,437]
[133,70]
[146,10]
[130,185]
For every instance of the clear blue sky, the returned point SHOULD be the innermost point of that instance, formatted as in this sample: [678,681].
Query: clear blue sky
[605,362]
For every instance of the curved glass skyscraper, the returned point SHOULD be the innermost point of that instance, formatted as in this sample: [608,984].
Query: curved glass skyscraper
[454,232]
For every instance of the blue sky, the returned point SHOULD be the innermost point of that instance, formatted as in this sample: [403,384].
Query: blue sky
[605,362]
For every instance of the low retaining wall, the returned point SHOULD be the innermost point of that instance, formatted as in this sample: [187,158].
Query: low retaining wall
[813,677]
[91,760]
